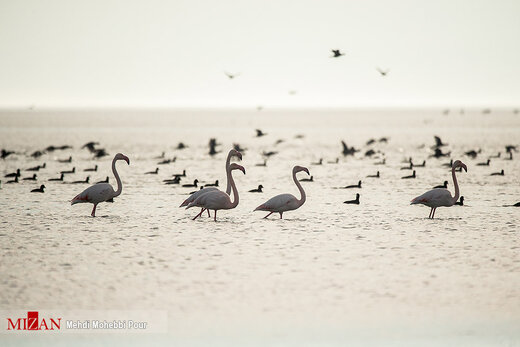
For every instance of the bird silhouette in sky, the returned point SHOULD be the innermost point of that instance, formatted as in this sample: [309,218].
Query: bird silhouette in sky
[336,53]
[383,72]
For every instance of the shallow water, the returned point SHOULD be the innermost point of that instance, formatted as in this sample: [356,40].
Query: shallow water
[376,273]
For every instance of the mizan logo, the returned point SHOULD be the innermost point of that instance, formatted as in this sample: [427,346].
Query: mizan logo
[32,322]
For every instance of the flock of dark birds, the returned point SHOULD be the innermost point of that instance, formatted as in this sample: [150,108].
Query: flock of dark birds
[437,151]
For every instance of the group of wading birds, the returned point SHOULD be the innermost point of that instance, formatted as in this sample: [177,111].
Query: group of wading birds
[211,198]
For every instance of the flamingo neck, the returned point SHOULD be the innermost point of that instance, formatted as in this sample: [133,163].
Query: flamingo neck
[300,188]
[234,188]
[118,180]
[228,162]
[457,193]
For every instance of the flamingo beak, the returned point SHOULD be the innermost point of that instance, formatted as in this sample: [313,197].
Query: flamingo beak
[464,167]
[239,155]
[243,170]
[306,170]
[127,160]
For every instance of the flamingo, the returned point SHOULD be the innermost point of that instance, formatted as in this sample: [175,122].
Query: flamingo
[439,196]
[218,200]
[194,196]
[285,202]
[101,192]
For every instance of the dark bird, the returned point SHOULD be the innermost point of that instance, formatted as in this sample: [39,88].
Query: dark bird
[237,147]
[269,154]
[152,172]
[460,202]
[91,169]
[353,186]
[161,156]
[183,174]
[39,190]
[501,173]
[260,133]
[356,201]
[262,164]
[231,75]
[473,154]
[485,163]
[411,176]
[37,154]
[438,153]
[310,179]
[409,167]
[69,160]
[510,156]
[195,182]
[33,178]
[90,146]
[279,141]
[450,164]
[175,180]
[181,146]
[383,72]
[348,150]
[374,176]
[13,181]
[438,142]
[212,184]
[336,53]
[420,165]
[371,141]
[444,185]
[382,162]
[104,181]
[69,171]
[319,162]
[495,156]
[100,153]
[167,161]
[383,139]
[370,153]
[5,153]
[13,174]
[86,180]
[257,190]
[334,162]
[510,148]
[57,179]
[37,168]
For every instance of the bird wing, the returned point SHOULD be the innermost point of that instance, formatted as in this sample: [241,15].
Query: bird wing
[276,203]
[433,198]
[195,195]
[94,194]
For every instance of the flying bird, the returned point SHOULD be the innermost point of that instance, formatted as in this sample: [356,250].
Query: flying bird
[336,53]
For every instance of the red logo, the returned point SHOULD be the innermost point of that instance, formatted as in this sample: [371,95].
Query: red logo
[32,322]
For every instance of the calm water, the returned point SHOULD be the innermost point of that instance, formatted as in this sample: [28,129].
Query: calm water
[380,273]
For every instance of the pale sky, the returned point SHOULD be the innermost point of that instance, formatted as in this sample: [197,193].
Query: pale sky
[105,53]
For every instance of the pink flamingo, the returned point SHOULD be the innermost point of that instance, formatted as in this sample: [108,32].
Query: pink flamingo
[194,196]
[285,202]
[101,192]
[440,196]
[217,200]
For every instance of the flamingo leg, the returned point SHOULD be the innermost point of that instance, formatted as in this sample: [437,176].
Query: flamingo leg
[209,215]
[433,215]
[197,216]
[215,219]
[430,215]
[93,214]
[280,214]
[268,215]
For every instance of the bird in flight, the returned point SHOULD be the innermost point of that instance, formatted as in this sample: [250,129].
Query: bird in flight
[231,75]
[336,53]
[383,72]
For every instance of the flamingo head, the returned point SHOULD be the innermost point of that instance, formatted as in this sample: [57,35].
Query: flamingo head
[120,156]
[301,168]
[234,153]
[458,163]
[235,166]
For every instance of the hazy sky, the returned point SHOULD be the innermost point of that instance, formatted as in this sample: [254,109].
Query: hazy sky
[65,53]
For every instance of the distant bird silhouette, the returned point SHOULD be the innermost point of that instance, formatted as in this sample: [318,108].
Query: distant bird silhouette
[260,133]
[161,156]
[369,142]
[485,163]
[383,72]
[438,142]
[90,146]
[348,150]
[353,186]
[175,180]
[69,160]
[450,164]
[410,176]
[92,169]
[86,180]
[167,161]
[444,185]
[69,171]
[510,148]
[334,162]
[319,162]
[374,176]
[370,153]
[438,153]
[355,201]
[152,172]
[57,179]
[257,190]
[336,53]
[195,182]
[383,139]
[181,146]
[99,153]
[37,154]
[33,178]
[409,167]
[420,165]
[13,174]
[6,153]
[501,173]
[212,184]
[104,181]
[262,164]
[382,162]
[495,156]
[279,141]
[37,168]
[231,75]
[269,154]
[510,156]
[473,154]
[460,202]
[310,179]
[183,174]
[13,181]
[39,190]
[237,147]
